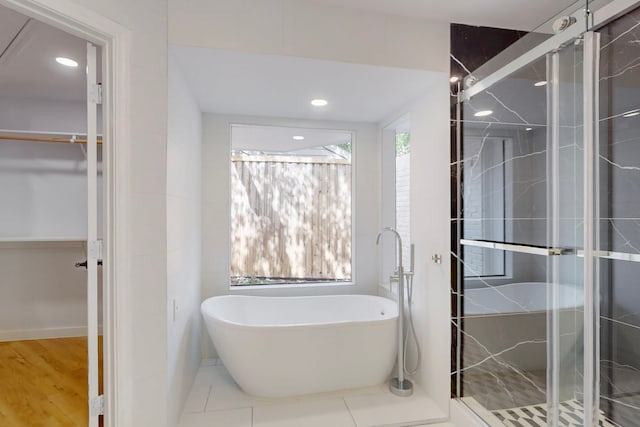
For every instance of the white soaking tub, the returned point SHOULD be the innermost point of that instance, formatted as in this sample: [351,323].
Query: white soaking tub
[288,346]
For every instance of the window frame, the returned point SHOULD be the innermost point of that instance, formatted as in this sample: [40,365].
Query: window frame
[354,172]
[508,261]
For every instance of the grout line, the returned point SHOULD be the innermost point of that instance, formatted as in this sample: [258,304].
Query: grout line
[206,403]
[252,416]
[350,413]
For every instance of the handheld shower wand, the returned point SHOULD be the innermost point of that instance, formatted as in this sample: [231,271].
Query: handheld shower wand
[399,385]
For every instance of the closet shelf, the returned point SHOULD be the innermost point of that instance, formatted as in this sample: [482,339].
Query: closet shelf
[42,239]
[35,136]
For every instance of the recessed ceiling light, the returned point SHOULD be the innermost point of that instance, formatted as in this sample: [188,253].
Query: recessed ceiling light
[298,137]
[454,79]
[67,62]
[528,129]
[631,113]
[540,83]
[483,113]
[319,102]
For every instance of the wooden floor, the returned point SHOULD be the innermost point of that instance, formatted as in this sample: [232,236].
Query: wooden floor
[44,382]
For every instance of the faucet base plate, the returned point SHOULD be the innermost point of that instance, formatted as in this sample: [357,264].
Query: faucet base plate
[403,389]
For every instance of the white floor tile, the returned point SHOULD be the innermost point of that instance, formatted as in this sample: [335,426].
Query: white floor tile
[228,418]
[385,408]
[197,400]
[206,375]
[216,392]
[340,394]
[317,413]
[225,393]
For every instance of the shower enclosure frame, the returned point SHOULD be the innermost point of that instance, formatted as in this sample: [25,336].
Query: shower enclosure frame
[590,252]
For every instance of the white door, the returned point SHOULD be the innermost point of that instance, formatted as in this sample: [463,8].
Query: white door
[94,246]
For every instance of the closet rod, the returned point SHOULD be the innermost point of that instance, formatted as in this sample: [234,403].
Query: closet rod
[71,140]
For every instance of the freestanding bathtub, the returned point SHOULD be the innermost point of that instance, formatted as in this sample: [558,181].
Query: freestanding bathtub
[288,346]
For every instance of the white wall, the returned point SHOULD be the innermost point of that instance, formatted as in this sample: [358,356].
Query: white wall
[44,194]
[44,191]
[44,115]
[311,29]
[44,185]
[430,232]
[184,182]
[216,208]
[42,293]
[387,256]
[141,358]
[299,28]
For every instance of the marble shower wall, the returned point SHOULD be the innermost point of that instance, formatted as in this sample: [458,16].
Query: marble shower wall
[499,353]
[500,361]
[504,199]
[469,50]
[620,218]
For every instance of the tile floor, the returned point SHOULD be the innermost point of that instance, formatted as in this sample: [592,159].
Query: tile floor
[216,401]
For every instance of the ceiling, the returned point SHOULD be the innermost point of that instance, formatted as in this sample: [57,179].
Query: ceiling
[28,69]
[514,14]
[283,86]
[280,139]
[230,82]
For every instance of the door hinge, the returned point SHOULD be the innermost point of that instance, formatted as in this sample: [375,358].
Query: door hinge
[97,405]
[95,249]
[95,93]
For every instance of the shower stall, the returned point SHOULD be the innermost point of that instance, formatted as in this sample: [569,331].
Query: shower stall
[546,225]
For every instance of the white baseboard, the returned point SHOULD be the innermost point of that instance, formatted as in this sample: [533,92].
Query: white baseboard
[38,334]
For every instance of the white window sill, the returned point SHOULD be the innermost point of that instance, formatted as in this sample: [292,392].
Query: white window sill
[237,288]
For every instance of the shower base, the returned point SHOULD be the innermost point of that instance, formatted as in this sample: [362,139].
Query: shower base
[571,415]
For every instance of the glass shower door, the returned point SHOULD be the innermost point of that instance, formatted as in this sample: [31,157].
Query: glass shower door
[618,166]
[521,319]
[546,302]
[570,327]
[502,357]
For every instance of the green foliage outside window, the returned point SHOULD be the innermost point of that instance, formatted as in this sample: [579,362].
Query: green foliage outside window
[403,143]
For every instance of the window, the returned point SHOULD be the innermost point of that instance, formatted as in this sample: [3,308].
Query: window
[484,205]
[396,196]
[291,205]
[403,190]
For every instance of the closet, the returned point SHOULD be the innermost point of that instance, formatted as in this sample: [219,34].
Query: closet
[50,222]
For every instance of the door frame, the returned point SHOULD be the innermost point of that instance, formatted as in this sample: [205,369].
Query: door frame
[115,41]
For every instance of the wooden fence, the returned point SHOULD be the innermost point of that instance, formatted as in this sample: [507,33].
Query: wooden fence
[291,218]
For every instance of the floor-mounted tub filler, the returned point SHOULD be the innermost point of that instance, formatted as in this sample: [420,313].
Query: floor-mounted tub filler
[289,346]
[400,386]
